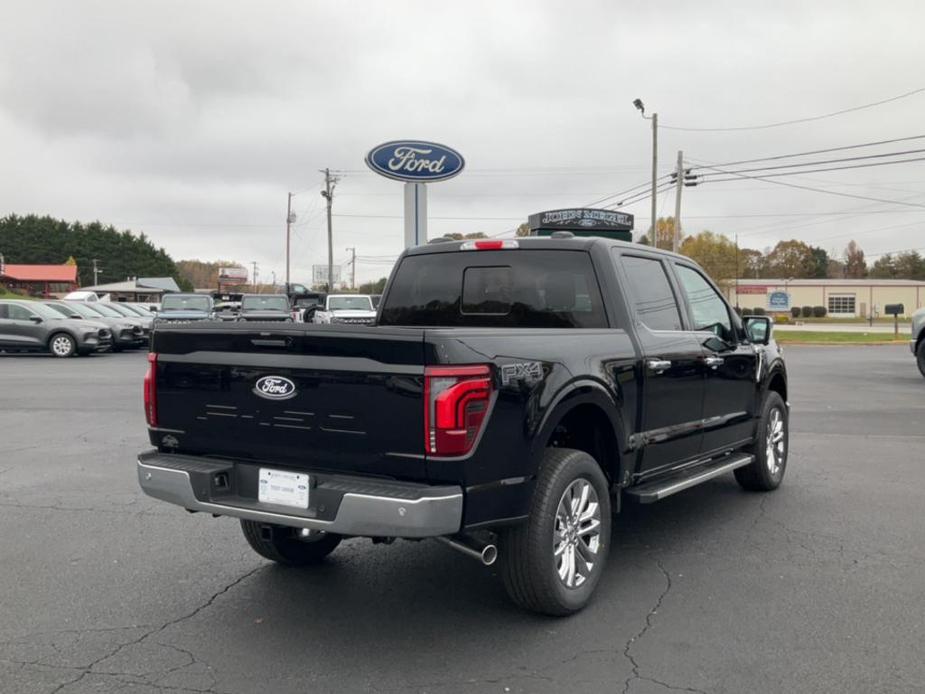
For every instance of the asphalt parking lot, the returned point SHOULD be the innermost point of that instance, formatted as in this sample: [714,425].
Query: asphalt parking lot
[818,587]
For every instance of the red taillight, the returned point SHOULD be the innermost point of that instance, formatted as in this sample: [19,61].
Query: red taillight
[493,245]
[456,400]
[151,390]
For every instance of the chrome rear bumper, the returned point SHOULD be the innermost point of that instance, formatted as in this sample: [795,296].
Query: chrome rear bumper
[366,508]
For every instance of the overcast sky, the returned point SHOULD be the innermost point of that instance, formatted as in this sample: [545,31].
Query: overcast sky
[191,121]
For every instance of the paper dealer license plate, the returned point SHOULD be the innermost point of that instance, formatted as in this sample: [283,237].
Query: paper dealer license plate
[283,488]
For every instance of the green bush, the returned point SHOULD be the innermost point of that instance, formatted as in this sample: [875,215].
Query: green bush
[795,311]
[807,311]
[748,312]
[738,311]
[819,311]
[758,311]
[782,319]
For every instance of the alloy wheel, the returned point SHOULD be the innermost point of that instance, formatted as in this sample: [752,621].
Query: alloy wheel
[577,535]
[62,346]
[776,452]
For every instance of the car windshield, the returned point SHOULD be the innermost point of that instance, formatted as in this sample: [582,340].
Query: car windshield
[122,311]
[185,303]
[265,303]
[349,303]
[82,309]
[104,310]
[136,311]
[64,310]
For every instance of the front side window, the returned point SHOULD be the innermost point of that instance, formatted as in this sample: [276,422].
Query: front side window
[650,293]
[707,307]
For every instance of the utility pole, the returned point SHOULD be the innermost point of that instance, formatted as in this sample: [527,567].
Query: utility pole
[274,280]
[96,272]
[290,218]
[254,275]
[676,236]
[737,269]
[328,194]
[353,267]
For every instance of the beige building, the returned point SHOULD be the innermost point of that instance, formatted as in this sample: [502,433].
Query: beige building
[841,298]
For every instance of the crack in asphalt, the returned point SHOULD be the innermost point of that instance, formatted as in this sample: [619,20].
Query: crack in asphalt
[635,675]
[89,669]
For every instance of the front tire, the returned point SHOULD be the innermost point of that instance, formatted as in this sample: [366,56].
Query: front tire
[920,356]
[553,561]
[771,448]
[285,546]
[62,345]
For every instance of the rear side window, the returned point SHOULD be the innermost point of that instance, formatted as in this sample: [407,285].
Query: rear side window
[515,288]
[651,294]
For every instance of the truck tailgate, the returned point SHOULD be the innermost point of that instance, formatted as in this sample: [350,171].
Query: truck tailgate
[325,398]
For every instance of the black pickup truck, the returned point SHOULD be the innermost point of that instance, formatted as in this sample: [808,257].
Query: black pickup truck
[511,396]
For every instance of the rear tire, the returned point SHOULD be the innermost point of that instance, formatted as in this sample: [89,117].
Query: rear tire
[920,356]
[62,345]
[771,448]
[553,561]
[284,546]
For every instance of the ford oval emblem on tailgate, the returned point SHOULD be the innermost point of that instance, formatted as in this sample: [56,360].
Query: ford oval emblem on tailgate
[274,388]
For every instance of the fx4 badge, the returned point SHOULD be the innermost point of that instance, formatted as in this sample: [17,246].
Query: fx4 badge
[529,372]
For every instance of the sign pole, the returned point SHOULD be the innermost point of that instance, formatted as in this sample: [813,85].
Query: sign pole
[415,214]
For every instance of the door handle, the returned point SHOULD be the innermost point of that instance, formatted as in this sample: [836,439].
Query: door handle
[713,362]
[658,365]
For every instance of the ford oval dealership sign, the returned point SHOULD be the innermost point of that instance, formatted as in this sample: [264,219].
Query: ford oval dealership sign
[415,161]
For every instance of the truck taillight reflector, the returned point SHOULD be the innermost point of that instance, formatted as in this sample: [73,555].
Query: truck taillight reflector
[151,390]
[456,400]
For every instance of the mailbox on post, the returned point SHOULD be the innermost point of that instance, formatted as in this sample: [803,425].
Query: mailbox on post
[894,310]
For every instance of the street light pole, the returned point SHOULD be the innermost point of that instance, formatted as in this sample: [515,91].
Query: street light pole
[654,118]
[289,220]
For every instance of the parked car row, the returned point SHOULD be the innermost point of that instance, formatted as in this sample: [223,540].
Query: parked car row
[68,328]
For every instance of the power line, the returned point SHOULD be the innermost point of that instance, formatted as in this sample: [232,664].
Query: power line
[818,162]
[815,190]
[822,151]
[809,171]
[800,120]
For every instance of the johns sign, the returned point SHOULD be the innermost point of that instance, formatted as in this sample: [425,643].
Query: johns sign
[415,161]
[581,219]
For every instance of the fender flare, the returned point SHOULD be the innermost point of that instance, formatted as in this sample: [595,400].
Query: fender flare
[572,395]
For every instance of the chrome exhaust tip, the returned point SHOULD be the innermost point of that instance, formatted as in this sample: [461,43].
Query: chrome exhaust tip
[487,554]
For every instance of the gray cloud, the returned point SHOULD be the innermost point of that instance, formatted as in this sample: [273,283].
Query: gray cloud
[191,121]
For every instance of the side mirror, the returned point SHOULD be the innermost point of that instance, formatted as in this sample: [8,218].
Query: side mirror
[36,319]
[758,329]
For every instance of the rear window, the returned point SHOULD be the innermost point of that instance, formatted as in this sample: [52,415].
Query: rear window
[517,288]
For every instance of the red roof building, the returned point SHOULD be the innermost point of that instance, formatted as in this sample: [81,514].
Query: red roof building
[40,280]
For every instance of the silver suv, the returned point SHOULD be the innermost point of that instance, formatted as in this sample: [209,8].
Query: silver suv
[29,326]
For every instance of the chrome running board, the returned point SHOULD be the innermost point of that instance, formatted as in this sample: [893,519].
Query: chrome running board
[656,490]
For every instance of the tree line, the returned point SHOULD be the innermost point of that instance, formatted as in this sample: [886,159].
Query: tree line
[38,240]
[791,259]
